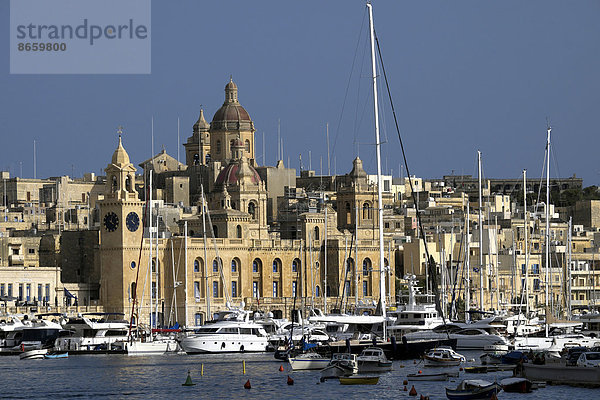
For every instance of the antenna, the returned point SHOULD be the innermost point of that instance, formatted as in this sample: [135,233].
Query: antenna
[278,139]
[328,160]
[34,165]
[178,145]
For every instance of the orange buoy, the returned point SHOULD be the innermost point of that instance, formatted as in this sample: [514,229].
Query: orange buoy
[281,368]
[420,371]
[405,382]
[247,384]
[290,381]
[413,391]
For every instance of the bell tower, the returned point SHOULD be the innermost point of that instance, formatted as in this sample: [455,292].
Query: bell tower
[120,232]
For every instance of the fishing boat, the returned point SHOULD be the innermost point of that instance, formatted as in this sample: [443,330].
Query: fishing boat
[425,376]
[359,380]
[516,385]
[56,354]
[341,364]
[443,357]
[473,389]
[310,360]
[373,359]
[37,354]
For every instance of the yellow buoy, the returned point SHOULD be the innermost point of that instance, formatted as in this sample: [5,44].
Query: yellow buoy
[201,369]
[244,367]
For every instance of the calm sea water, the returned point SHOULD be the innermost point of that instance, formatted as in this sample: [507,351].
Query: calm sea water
[119,376]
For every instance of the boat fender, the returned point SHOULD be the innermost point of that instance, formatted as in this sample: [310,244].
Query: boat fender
[413,391]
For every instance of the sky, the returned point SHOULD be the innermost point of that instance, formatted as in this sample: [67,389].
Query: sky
[463,75]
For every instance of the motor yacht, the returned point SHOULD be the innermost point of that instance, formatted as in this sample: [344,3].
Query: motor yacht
[373,359]
[92,331]
[443,357]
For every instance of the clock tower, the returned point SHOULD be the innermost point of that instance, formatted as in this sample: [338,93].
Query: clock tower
[120,234]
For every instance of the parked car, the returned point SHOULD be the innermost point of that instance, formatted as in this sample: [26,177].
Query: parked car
[589,359]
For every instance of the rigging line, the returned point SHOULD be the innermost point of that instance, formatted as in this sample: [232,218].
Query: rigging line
[460,247]
[419,222]
[541,181]
[360,34]
[357,120]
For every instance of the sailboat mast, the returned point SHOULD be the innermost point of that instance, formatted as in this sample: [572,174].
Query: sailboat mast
[150,233]
[355,257]
[206,286]
[526,229]
[480,235]
[325,266]
[467,265]
[379,180]
[569,247]
[547,223]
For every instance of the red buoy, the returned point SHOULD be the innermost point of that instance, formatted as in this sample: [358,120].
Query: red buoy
[405,389]
[281,368]
[247,384]
[290,381]
[413,391]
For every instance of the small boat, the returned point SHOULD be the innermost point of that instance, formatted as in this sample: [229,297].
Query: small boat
[477,369]
[516,385]
[359,380]
[373,359]
[37,354]
[473,389]
[306,361]
[57,354]
[443,357]
[341,364]
[492,358]
[428,377]
[513,357]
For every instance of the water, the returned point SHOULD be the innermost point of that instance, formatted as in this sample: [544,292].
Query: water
[119,376]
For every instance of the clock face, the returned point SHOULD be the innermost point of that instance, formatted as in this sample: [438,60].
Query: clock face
[111,221]
[132,221]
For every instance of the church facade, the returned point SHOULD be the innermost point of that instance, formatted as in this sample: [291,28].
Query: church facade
[225,251]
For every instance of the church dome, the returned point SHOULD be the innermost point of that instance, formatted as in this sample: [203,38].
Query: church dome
[232,173]
[231,115]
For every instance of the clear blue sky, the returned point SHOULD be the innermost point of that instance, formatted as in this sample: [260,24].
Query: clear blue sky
[465,75]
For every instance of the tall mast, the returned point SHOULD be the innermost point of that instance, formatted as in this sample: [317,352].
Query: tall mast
[379,181]
[206,286]
[480,235]
[526,226]
[569,244]
[312,277]
[150,233]
[547,223]
[185,309]
[355,256]
[325,266]
[467,265]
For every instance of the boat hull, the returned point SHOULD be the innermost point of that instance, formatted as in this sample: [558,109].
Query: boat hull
[299,363]
[427,377]
[480,393]
[223,344]
[559,374]
[33,354]
[393,350]
[359,380]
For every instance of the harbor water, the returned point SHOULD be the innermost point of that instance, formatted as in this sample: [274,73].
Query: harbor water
[160,377]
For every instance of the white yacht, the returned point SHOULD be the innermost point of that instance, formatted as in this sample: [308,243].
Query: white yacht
[591,324]
[11,331]
[468,336]
[40,334]
[92,331]
[344,326]
[309,360]
[560,335]
[373,359]
[161,341]
[233,332]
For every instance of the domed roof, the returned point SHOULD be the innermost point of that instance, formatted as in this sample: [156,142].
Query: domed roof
[231,115]
[120,156]
[232,173]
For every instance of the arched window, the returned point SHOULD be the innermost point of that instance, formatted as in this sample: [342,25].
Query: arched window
[296,265]
[238,230]
[198,264]
[128,183]
[366,211]
[216,263]
[256,265]
[348,214]
[218,147]
[317,291]
[207,158]
[113,184]
[235,265]
[316,235]
[276,265]
[247,146]
[196,159]
[366,266]
[252,209]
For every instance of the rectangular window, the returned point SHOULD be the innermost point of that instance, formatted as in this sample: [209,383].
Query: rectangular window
[215,289]
[234,289]
[47,293]
[536,284]
[215,266]
[294,288]
[196,266]
[31,251]
[1,289]
[28,291]
[20,292]
[9,290]
[535,269]
[255,290]
[197,290]
[365,288]
[523,270]
[39,294]
[275,287]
